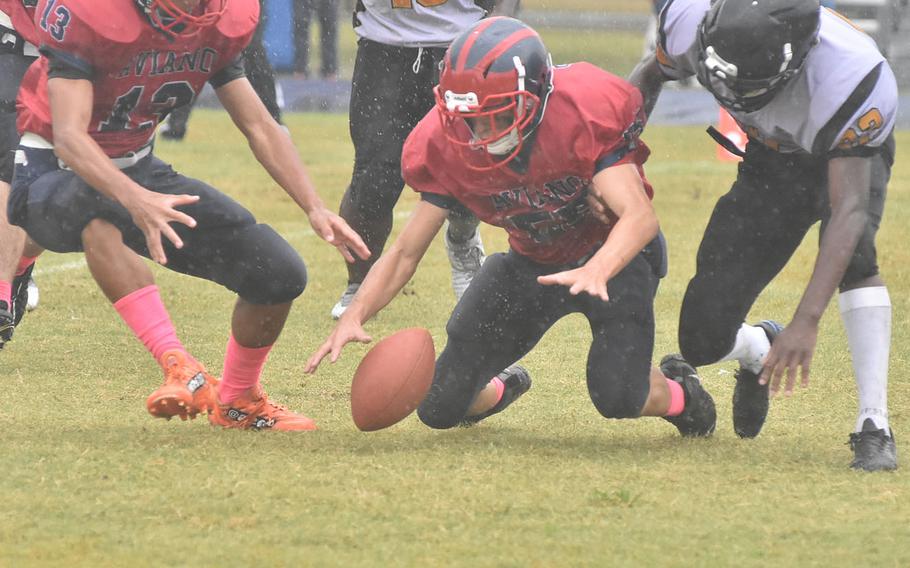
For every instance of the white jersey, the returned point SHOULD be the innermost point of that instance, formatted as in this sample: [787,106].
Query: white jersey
[844,97]
[415,23]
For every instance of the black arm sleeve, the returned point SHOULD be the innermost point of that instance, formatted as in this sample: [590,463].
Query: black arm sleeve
[443,201]
[231,71]
[63,65]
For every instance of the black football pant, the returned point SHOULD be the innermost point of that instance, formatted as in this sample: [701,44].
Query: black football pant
[754,230]
[392,90]
[505,312]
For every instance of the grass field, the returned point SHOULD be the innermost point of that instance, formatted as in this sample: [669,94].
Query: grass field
[89,479]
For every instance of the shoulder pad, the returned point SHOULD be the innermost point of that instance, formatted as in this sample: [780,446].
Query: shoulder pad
[240,19]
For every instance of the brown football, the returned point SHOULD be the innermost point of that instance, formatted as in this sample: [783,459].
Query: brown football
[392,379]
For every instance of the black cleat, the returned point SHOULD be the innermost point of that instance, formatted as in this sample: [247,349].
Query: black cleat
[699,417]
[7,325]
[517,382]
[750,399]
[20,294]
[873,448]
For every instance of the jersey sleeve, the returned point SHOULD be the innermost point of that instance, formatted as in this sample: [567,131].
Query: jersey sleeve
[677,29]
[68,41]
[233,70]
[418,167]
[611,119]
[863,122]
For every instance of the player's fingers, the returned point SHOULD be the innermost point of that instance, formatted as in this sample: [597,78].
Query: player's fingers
[153,242]
[170,234]
[318,356]
[791,377]
[805,373]
[183,199]
[345,252]
[183,218]
[353,241]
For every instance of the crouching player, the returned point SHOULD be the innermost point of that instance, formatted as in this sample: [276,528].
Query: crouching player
[524,145]
[86,179]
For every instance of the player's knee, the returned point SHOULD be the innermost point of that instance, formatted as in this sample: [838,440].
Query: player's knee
[702,341]
[435,413]
[619,402]
[271,271]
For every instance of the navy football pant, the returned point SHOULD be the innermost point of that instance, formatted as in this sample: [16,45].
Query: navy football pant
[505,312]
[754,230]
[227,245]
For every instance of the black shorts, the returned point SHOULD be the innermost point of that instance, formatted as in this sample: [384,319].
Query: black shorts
[227,246]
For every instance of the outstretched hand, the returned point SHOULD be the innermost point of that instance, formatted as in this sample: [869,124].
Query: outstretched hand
[584,279]
[792,350]
[334,230]
[344,333]
[153,212]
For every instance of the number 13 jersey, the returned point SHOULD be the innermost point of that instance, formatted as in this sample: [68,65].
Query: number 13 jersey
[138,73]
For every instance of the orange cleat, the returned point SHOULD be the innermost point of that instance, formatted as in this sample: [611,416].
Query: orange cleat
[187,390]
[252,410]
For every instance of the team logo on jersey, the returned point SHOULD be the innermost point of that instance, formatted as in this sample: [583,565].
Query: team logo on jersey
[155,62]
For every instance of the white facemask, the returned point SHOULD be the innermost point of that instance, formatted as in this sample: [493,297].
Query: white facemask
[504,145]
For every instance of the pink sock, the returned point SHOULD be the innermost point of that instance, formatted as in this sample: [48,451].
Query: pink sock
[677,399]
[146,315]
[24,263]
[242,368]
[6,293]
[500,388]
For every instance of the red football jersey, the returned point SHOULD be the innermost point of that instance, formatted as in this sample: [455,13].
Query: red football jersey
[22,15]
[592,120]
[139,73]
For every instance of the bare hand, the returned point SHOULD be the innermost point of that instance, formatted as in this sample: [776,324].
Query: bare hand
[335,230]
[153,212]
[584,279]
[345,332]
[792,350]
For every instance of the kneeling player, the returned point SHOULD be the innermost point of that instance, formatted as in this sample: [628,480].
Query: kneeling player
[524,145]
[88,180]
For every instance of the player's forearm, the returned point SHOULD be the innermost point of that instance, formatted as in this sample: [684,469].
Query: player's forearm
[631,233]
[385,280]
[274,150]
[83,155]
[834,254]
[648,78]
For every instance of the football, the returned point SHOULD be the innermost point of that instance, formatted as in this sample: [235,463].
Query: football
[392,379]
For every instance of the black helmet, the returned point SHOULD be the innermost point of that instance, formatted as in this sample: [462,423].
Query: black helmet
[497,68]
[748,49]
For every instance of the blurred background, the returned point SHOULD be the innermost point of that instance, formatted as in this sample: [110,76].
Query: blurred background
[311,44]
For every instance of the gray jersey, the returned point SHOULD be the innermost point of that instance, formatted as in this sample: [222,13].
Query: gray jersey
[415,23]
[845,97]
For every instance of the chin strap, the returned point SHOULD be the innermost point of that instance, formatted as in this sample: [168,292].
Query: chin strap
[725,142]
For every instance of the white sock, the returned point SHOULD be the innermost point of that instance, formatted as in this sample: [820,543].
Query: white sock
[866,313]
[750,349]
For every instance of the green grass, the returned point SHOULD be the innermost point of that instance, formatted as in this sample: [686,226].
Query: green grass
[90,479]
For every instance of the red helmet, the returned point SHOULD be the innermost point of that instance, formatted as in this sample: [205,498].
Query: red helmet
[170,18]
[497,75]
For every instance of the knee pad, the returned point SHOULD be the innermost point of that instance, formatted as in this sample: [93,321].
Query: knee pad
[267,270]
